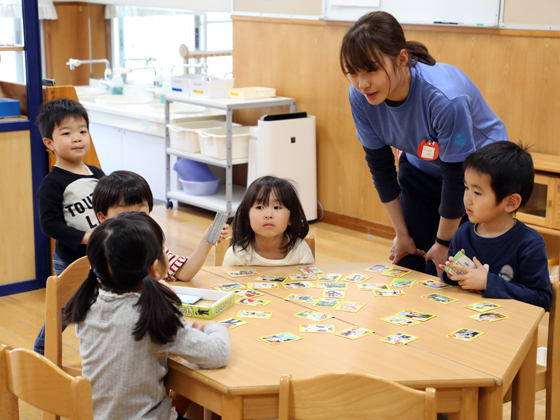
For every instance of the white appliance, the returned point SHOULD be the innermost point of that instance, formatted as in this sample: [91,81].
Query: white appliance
[284,145]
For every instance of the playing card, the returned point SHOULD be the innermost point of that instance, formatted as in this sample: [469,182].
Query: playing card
[399,339]
[388,293]
[440,298]
[309,269]
[334,293]
[488,317]
[271,278]
[254,314]
[482,306]
[401,321]
[330,277]
[248,293]
[356,278]
[350,306]
[232,323]
[354,333]
[262,285]
[434,284]
[242,273]
[316,328]
[461,260]
[216,229]
[402,283]
[304,276]
[253,302]
[280,338]
[188,299]
[372,286]
[301,298]
[327,302]
[331,285]
[465,334]
[228,287]
[395,272]
[314,315]
[417,316]
[297,285]
[378,268]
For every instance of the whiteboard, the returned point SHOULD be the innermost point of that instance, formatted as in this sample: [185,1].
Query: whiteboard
[422,12]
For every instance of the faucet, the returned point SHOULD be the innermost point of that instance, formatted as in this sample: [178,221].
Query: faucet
[147,60]
[74,62]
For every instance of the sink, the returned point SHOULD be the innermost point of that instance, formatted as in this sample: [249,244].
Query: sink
[122,99]
[178,108]
[88,91]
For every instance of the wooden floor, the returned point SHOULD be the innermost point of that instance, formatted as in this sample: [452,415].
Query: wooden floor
[21,316]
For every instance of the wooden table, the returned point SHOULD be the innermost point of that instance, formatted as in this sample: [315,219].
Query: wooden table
[470,377]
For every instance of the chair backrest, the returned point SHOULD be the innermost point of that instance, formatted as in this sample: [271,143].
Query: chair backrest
[223,246]
[32,378]
[347,395]
[59,290]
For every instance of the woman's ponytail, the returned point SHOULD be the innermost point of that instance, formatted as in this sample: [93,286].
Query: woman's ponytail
[159,315]
[418,52]
[78,305]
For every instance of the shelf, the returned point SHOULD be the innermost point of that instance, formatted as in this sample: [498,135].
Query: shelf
[206,159]
[216,202]
[230,103]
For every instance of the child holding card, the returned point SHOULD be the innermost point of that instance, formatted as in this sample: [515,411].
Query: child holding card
[269,227]
[498,181]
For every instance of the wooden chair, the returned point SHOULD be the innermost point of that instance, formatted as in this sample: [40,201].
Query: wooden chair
[347,395]
[59,290]
[223,246]
[32,378]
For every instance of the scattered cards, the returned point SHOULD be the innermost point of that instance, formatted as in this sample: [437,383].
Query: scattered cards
[253,302]
[248,293]
[440,298]
[331,285]
[301,298]
[314,315]
[350,306]
[464,334]
[378,268]
[327,302]
[271,278]
[395,272]
[263,285]
[242,273]
[254,314]
[399,339]
[316,328]
[309,269]
[298,285]
[232,323]
[354,333]
[356,278]
[330,277]
[373,286]
[334,293]
[482,306]
[280,338]
[401,321]
[433,284]
[488,317]
[402,283]
[304,276]
[228,287]
[417,316]
[388,293]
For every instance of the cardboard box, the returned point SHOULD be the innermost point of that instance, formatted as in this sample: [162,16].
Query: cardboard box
[212,303]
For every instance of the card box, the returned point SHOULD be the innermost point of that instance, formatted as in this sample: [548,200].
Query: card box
[219,302]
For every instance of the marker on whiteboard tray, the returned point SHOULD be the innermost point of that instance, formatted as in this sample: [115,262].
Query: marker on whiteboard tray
[437,22]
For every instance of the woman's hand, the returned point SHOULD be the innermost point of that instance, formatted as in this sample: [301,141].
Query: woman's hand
[403,246]
[438,254]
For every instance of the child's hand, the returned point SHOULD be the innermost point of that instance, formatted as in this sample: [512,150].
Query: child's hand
[224,234]
[474,278]
[200,325]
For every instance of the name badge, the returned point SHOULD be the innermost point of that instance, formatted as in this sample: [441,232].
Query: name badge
[428,150]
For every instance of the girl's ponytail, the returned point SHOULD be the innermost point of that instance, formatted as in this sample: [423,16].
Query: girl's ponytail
[159,315]
[78,305]
[418,52]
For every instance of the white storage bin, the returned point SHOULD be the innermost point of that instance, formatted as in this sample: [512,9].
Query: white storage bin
[180,84]
[184,137]
[209,87]
[200,187]
[251,93]
[213,142]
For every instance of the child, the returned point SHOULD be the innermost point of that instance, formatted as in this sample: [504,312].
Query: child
[269,227]
[127,323]
[65,208]
[498,181]
[124,191]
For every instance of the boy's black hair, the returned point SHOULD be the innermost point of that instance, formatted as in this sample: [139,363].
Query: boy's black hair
[120,251]
[121,188]
[510,167]
[259,192]
[55,112]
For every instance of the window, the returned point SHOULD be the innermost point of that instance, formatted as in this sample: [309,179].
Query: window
[12,64]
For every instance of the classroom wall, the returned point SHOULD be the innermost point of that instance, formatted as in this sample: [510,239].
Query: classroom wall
[518,72]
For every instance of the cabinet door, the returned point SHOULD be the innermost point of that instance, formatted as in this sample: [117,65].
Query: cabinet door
[108,144]
[145,155]
[539,209]
[556,205]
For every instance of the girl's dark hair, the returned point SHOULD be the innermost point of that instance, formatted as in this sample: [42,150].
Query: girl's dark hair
[374,35]
[120,251]
[259,192]
[509,166]
[121,187]
[55,112]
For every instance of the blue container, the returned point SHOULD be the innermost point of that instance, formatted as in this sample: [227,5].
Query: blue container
[9,108]
[200,187]
[190,170]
